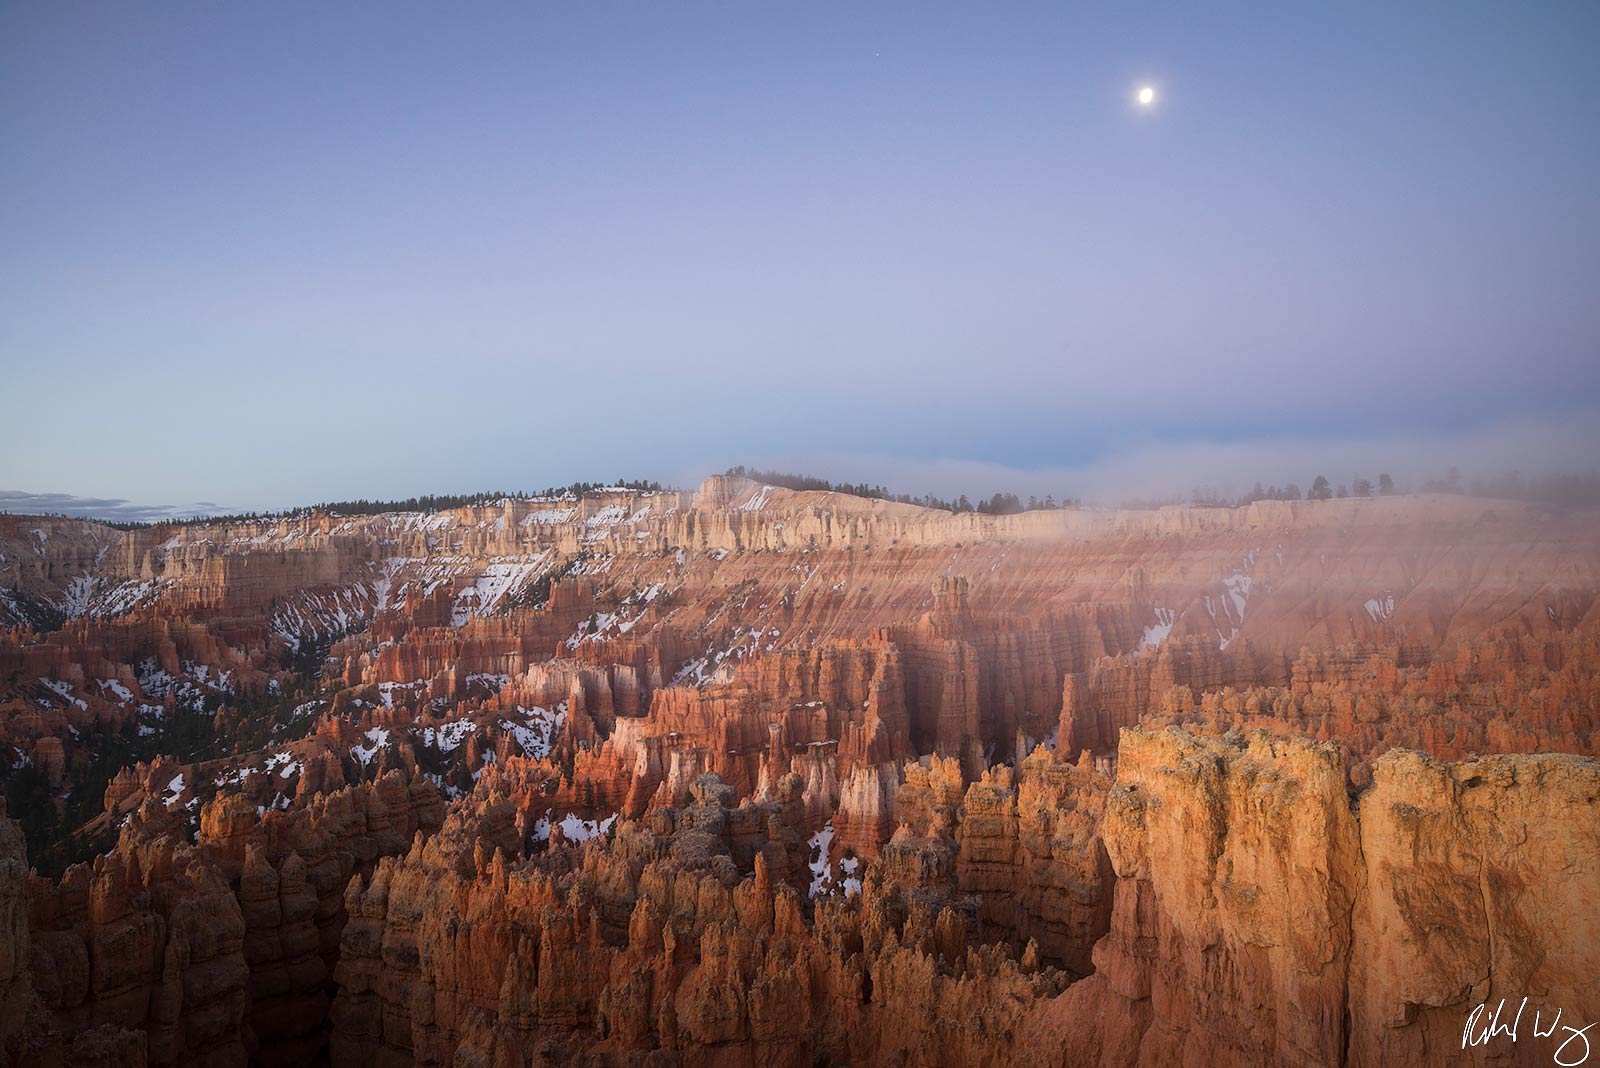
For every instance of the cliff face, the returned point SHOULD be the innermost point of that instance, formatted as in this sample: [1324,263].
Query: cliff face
[1259,920]
[1255,918]
[1481,882]
[18,1005]
[149,939]
[1236,871]
[1029,848]
[757,776]
[288,872]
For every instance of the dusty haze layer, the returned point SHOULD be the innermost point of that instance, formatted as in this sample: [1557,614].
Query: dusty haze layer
[754,776]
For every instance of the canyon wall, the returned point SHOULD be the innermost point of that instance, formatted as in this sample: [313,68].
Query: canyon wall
[1260,919]
[759,776]
[1245,913]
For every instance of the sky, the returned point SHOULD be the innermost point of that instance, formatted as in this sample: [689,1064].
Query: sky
[260,255]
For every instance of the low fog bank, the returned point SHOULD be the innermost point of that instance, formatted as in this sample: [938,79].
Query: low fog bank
[1483,459]
[1526,459]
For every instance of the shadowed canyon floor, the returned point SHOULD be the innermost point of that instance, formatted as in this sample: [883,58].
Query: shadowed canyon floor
[752,776]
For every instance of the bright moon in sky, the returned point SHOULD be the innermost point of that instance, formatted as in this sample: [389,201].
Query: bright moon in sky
[1147,95]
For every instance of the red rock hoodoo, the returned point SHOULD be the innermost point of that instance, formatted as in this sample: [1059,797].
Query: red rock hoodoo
[764,777]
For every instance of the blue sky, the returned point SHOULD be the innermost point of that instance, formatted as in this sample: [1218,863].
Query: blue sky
[265,254]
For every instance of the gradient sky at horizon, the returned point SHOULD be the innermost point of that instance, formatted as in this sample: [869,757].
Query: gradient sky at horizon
[266,254]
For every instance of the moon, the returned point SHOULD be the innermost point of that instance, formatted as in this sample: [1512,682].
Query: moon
[1146,96]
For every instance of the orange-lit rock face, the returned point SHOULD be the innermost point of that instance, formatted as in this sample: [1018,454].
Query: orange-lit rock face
[757,776]
[1236,873]
[656,941]
[1474,841]
[1261,918]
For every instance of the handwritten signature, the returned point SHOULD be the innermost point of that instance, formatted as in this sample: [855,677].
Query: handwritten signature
[1484,1027]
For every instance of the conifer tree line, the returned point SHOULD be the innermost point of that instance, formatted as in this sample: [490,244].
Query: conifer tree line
[1566,491]
[996,504]
[1557,491]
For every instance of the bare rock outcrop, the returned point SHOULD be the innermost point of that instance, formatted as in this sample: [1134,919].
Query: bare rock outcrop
[149,938]
[1260,919]
[1482,879]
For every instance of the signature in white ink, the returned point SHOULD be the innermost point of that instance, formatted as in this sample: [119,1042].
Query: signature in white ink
[1484,1027]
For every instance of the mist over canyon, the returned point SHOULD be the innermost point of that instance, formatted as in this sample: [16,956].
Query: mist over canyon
[1183,650]
[752,775]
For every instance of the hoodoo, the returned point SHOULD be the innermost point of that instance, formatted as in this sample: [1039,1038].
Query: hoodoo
[759,775]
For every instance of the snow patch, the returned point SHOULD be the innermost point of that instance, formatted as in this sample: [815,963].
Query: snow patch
[63,690]
[378,737]
[1381,607]
[284,764]
[447,736]
[576,830]
[1227,610]
[538,733]
[1158,633]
